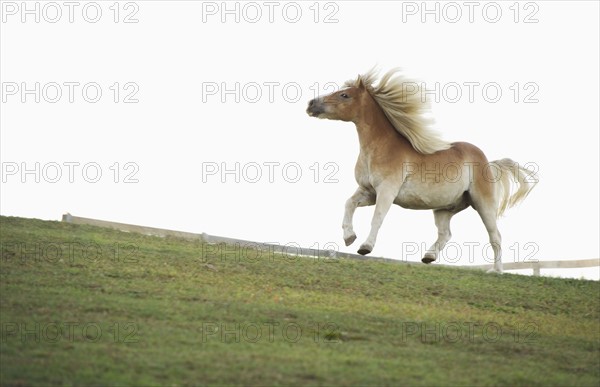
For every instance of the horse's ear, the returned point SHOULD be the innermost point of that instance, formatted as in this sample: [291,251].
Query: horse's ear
[360,83]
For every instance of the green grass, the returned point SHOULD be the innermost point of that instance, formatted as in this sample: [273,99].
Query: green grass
[94,306]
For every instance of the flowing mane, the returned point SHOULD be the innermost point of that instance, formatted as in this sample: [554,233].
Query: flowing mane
[403,107]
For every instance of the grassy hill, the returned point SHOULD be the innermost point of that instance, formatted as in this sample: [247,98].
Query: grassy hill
[87,305]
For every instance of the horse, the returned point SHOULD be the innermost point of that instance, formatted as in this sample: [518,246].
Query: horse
[403,161]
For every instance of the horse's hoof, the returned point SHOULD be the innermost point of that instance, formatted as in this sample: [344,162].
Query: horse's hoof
[428,259]
[365,249]
[350,240]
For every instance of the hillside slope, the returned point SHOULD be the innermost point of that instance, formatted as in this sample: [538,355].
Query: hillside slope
[87,305]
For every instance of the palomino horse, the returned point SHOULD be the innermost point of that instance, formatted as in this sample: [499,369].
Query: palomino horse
[402,161]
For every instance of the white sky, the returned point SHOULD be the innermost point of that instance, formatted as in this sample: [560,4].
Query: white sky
[180,59]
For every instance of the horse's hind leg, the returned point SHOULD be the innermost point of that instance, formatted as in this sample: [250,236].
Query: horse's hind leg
[489,217]
[442,222]
[489,220]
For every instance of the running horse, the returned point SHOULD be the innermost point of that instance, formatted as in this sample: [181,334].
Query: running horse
[403,161]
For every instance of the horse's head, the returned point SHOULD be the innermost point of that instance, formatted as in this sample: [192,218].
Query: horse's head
[341,105]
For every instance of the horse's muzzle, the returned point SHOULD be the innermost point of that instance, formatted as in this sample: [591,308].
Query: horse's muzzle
[314,108]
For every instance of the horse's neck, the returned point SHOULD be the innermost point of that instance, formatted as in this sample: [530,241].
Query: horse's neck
[376,133]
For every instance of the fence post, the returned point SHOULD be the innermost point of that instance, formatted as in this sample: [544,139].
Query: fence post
[536,269]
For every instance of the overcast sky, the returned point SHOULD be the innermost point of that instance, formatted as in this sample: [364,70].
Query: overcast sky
[191,116]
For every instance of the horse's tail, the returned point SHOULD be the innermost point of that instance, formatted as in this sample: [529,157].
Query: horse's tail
[513,183]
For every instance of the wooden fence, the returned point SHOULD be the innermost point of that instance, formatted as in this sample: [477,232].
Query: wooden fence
[316,253]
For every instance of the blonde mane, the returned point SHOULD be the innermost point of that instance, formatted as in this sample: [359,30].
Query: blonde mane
[403,107]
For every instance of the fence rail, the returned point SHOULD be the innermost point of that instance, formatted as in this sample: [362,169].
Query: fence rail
[537,266]
[214,239]
[310,252]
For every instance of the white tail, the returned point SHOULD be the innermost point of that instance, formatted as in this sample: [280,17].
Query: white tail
[515,183]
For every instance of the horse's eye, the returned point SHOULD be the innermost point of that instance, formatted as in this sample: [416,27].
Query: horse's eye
[344,95]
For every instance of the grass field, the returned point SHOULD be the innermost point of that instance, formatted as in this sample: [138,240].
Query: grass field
[87,305]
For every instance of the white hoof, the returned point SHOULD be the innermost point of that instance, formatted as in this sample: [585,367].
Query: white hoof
[428,257]
[350,240]
[365,249]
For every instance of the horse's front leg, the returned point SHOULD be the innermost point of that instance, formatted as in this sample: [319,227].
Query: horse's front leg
[383,202]
[362,197]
